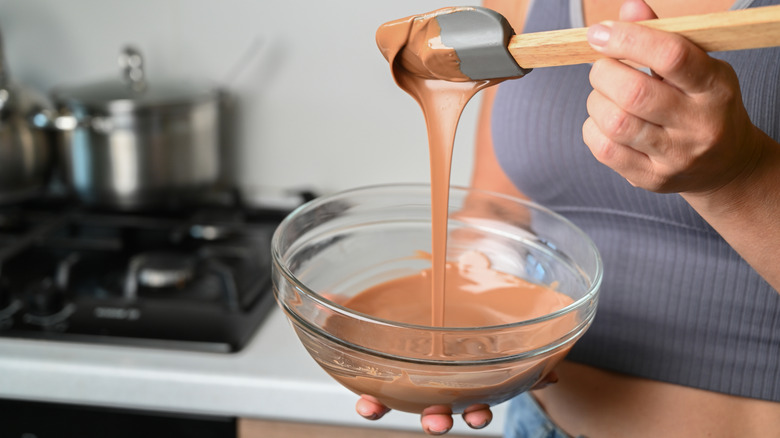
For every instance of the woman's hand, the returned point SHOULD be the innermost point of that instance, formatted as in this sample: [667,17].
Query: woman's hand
[437,420]
[684,128]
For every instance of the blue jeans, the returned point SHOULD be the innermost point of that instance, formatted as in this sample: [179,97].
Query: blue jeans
[526,419]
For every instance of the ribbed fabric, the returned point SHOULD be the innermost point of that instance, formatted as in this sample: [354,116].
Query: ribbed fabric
[677,303]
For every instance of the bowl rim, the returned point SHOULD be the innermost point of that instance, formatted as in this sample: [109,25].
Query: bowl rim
[276,258]
[574,334]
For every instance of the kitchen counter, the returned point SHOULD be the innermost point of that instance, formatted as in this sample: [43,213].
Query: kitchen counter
[271,378]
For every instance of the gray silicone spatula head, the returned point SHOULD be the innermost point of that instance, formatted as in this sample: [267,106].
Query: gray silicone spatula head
[480,37]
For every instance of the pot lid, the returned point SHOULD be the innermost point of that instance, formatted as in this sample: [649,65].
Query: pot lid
[132,90]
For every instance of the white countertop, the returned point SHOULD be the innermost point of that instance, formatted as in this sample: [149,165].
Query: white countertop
[271,378]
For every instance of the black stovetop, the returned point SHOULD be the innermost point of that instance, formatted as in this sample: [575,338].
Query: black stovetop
[195,278]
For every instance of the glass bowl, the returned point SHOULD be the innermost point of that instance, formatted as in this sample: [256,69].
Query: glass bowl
[337,246]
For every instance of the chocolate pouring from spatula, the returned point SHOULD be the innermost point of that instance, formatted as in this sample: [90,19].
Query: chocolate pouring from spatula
[487,47]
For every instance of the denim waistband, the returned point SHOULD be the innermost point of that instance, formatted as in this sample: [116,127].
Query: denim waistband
[526,419]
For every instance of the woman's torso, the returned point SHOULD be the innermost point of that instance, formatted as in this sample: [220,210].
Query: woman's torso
[678,305]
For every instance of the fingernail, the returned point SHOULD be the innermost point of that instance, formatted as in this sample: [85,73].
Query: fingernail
[476,426]
[479,426]
[598,34]
[372,416]
[367,414]
[436,432]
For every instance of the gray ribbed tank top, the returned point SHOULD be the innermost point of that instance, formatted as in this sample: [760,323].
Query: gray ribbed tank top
[677,303]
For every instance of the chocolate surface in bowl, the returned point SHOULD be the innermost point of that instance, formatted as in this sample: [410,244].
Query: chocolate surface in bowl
[334,248]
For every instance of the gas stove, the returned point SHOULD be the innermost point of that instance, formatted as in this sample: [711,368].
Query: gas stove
[194,279]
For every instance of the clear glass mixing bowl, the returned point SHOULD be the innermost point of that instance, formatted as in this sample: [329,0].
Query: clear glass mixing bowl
[337,246]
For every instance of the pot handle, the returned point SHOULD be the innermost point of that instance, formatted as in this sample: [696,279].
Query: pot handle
[132,64]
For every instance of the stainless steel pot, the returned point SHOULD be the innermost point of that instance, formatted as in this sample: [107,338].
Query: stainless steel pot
[25,151]
[133,144]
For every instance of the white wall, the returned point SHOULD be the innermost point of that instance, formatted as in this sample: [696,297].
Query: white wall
[317,104]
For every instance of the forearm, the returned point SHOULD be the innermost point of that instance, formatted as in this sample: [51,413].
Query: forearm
[746,212]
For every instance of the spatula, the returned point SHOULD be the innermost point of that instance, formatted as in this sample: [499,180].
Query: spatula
[488,49]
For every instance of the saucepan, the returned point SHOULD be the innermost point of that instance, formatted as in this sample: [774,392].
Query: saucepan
[25,151]
[130,143]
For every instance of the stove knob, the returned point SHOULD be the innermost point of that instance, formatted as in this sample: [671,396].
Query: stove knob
[44,299]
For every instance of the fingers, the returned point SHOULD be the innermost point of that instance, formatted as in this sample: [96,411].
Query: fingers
[436,420]
[630,119]
[680,131]
[639,94]
[671,56]
[620,125]
[478,416]
[370,408]
[628,162]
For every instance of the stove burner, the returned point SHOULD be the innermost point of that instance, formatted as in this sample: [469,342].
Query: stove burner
[210,232]
[159,270]
[196,280]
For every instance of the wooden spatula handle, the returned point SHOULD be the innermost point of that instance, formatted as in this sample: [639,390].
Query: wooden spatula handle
[732,30]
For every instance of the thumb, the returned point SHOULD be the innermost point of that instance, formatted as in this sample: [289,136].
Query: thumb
[636,10]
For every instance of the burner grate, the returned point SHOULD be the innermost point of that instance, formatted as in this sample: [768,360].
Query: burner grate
[197,280]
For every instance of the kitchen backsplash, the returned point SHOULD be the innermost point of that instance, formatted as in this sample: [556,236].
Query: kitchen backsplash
[314,100]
